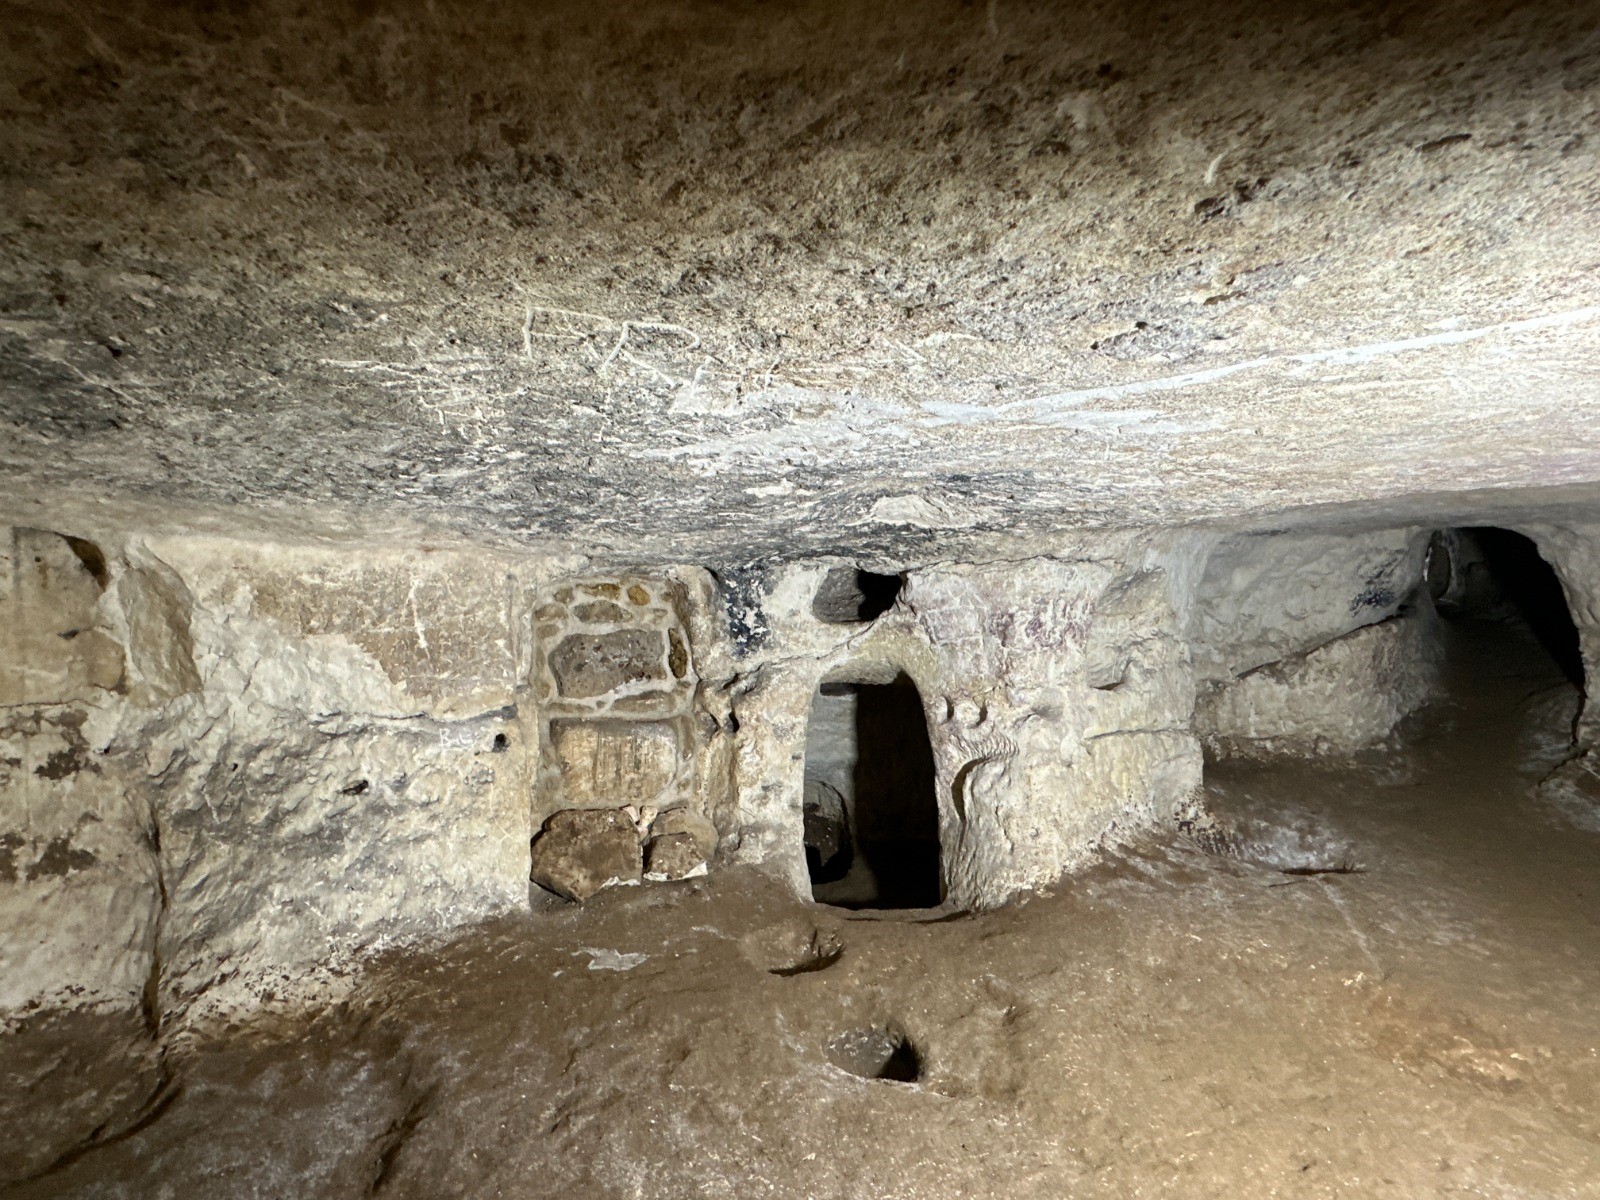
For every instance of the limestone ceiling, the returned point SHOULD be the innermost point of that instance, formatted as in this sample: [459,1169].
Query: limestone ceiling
[718,281]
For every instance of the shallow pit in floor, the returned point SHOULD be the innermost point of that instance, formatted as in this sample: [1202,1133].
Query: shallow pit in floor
[877,1052]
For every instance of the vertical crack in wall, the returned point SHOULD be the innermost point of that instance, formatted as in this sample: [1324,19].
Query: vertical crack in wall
[150,999]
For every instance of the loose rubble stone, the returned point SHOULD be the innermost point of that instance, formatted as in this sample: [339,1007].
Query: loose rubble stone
[581,851]
[687,821]
[673,856]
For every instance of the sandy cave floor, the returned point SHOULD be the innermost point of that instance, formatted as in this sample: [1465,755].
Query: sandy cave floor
[1177,1021]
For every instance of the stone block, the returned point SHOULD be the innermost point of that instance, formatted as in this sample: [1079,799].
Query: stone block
[673,856]
[615,762]
[687,821]
[581,851]
[587,666]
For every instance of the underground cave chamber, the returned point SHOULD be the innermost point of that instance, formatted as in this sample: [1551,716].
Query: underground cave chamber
[682,598]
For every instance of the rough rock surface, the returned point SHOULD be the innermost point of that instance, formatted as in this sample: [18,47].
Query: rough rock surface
[1341,697]
[297,760]
[1176,1024]
[73,1080]
[692,282]
[580,851]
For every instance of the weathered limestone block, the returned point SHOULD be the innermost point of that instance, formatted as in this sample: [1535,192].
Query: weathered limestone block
[309,807]
[673,856]
[154,606]
[616,693]
[825,823]
[615,763]
[78,892]
[580,851]
[688,823]
[681,845]
[1339,698]
[438,624]
[78,878]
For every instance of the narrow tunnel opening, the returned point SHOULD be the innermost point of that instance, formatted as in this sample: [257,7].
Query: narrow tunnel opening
[871,815]
[1466,693]
[1498,577]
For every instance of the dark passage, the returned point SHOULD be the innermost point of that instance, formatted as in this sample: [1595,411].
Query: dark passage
[872,821]
[1496,575]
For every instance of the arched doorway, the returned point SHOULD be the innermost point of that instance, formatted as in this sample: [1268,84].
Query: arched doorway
[871,808]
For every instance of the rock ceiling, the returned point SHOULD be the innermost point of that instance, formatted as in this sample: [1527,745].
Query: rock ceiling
[723,281]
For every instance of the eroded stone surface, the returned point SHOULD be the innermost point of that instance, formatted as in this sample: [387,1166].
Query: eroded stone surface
[71,1080]
[673,856]
[688,823]
[590,665]
[54,646]
[1345,695]
[1034,764]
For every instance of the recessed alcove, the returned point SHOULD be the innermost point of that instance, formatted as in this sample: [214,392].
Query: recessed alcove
[872,816]
[849,596]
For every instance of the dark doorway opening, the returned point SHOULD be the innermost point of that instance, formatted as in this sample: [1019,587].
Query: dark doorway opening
[871,812]
[1485,573]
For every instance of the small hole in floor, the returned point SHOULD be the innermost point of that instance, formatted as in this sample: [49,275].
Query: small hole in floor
[877,1052]
[500,743]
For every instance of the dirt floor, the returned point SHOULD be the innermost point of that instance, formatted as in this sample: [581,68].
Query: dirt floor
[1377,980]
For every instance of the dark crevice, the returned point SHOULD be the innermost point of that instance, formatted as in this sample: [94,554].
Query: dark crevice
[819,961]
[92,558]
[150,997]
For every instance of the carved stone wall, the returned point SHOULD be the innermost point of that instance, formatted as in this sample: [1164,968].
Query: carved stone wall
[615,688]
